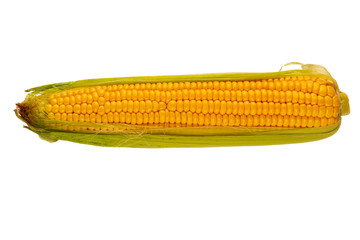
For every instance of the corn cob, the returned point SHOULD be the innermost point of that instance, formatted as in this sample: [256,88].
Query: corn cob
[189,110]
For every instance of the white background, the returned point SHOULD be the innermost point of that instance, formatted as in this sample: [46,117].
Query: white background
[65,190]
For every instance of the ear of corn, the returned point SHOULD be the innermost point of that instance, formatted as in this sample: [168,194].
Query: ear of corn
[228,109]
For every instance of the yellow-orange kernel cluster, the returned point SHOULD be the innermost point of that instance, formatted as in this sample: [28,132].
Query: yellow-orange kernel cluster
[284,102]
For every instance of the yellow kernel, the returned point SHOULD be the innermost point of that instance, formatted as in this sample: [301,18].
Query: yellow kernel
[142,106]
[288,95]
[265,108]
[222,107]
[310,122]
[271,108]
[186,105]
[68,109]
[253,108]
[285,86]
[78,98]
[291,85]
[101,110]
[277,108]
[130,106]
[213,120]
[57,116]
[276,96]
[322,111]
[308,110]
[245,95]
[262,120]
[178,117]
[162,116]
[86,118]
[128,118]
[94,95]
[66,100]
[298,122]
[329,112]
[107,107]
[51,115]
[228,107]
[277,85]
[289,108]
[303,86]
[77,108]
[92,117]
[221,95]
[101,101]
[315,110]
[273,120]
[270,96]
[218,120]
[216,106]
[330,91]
[247,108]
[286,121]
[75,117]
[282,97]
[83,97]
[122,117]
[53,101]
[48,107]
[301,97]
[264,95]
[316,87]
[259,107]
[321,101]
[180,106]
[331,121]
[251,95]
[336,101]
[116,117]
[241,108]
[323,90]
[189,118]
[323,122]
[69,117]
[271,85]
[137,106]
[104,118]
[283,109]
[205,107]
[148,106]
[60,101]
[83,108]
[296,109]
[302,111]
[268,120]
[235,107]
[211,106]
[307,98]
[328,101]
[94,105]
[314,99]
[317,122]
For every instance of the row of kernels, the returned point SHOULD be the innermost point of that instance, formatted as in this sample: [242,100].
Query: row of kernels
[251,108]
[306,84]
[194,119]
[118,106]
[197,94]
[244,110]
[222,107]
